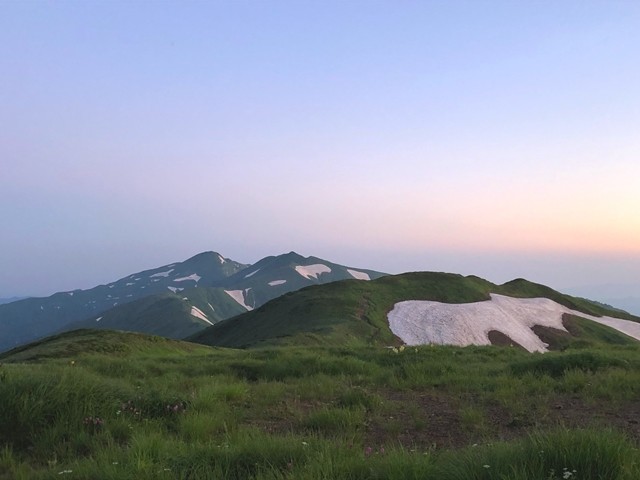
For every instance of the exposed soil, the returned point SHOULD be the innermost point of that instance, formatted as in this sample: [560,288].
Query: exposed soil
[499,338]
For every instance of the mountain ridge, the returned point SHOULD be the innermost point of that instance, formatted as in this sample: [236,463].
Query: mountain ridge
[174,300]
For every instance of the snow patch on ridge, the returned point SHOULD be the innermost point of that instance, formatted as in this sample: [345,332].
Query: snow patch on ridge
[161,274]
[358,275]
[252,273]
[98,319]
[175,289]
[221,258]
[312,271]
[273,283]
[196,312]
[418,322]
[193,276]
[239,296]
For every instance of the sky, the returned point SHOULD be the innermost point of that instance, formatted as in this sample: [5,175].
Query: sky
[494,138]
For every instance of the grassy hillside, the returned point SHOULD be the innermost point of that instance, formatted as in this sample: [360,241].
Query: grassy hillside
[167,314]
[70,345]
[352,312]
[105,405]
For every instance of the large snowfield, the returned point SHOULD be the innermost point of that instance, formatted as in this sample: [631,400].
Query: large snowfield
[420,322]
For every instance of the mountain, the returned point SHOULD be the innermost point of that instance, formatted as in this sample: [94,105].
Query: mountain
[174,300]
[625,296]
[10,299]
[180,314]
[26,320]
[429,308]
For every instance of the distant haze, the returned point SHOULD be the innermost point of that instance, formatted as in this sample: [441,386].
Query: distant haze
[490,138]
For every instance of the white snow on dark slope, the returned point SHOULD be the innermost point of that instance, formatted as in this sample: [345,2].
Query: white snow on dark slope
[193,276]
[420,322]
[252,273]
[238,296]
[312,271]
[196,312]
[161,274]
[273,283]
[358,275]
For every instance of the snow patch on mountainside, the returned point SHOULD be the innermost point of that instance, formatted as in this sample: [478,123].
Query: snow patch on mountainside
[196,312]
[161,274]
[193,276]
[273,283]
[221,258]
[358,275]
[238,296]
[98,319]
[312,271]
[420,322]
[252,273]
[175,289]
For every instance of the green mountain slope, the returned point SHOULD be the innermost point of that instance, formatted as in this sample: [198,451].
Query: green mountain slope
[33,318]
[183,313]
[356,312]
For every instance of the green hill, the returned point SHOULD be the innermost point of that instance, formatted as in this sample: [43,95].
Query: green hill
[351,312]
[77,343]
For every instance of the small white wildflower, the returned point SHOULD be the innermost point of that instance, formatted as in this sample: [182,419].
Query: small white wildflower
[114,463]
[486,466]
[305,443]
[64,471]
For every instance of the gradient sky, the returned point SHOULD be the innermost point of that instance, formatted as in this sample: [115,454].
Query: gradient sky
[497,138]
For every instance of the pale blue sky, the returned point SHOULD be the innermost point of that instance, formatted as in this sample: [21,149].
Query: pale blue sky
[486,137]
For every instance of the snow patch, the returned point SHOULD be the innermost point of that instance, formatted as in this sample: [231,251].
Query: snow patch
[70,294]
[419,322]
[221,258]
[196,312]
[239,296]
[212,309]
[193,276]
[161,274]
[98,319]
[273,283]
[175,289]
[252,273]
[129,284]
[358,275]
[312,271]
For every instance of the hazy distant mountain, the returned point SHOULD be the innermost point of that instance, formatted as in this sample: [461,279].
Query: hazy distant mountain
[182,313]
[11,299]
[31,318]
[625,296]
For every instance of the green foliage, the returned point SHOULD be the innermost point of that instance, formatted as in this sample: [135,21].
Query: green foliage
[556,365]
[317,413]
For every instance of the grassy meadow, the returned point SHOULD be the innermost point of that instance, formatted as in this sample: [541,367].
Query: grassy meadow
[112,405]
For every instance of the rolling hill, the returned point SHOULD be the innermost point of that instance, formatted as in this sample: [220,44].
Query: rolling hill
[352,312]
